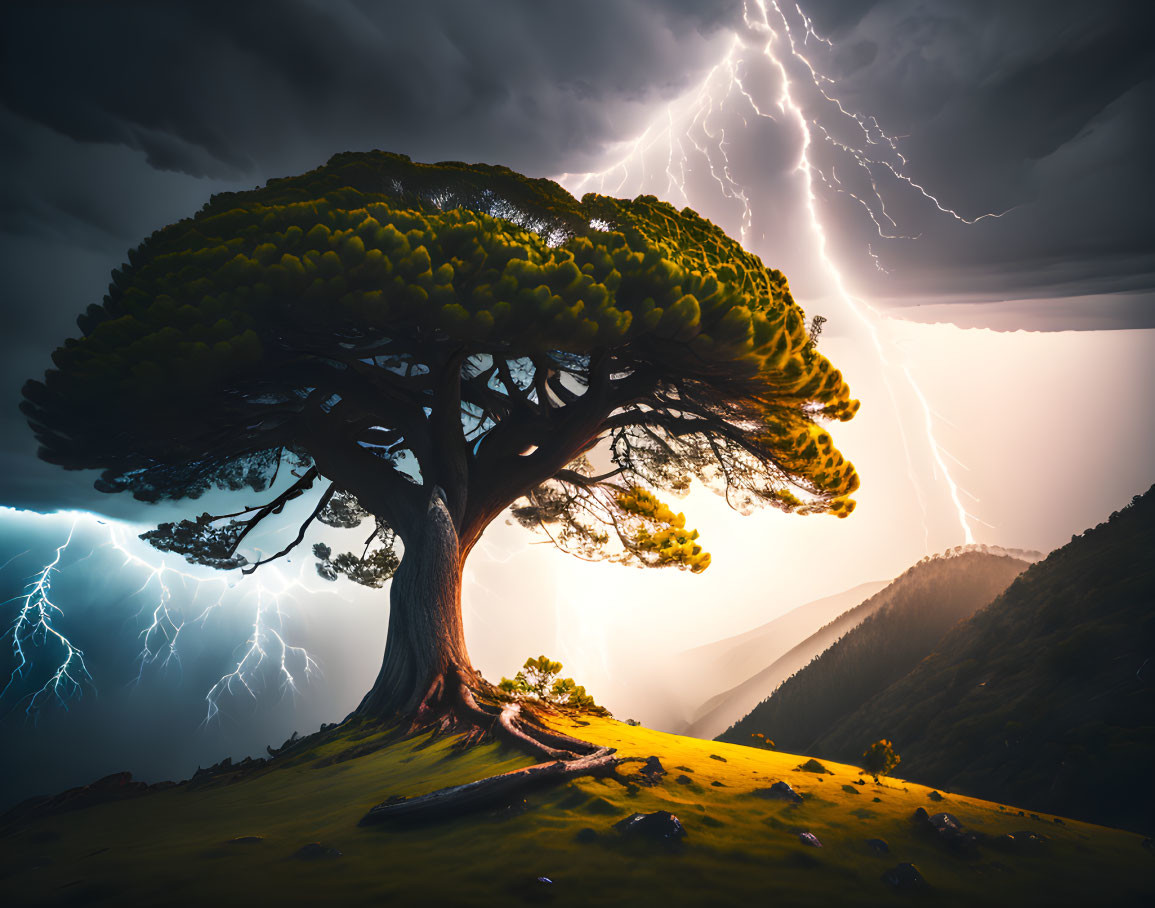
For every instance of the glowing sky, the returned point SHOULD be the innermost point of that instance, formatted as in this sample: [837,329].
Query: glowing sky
[1044,426]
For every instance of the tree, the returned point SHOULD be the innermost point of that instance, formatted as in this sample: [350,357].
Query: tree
[539,679]
[431,345]
[880,758]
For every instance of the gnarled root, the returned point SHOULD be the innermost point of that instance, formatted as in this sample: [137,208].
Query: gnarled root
[450,707]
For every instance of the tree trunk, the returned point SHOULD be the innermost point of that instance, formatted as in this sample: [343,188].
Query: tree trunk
[425,654]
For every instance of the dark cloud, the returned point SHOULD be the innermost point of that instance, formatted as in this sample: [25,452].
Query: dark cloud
[116,119]
[1041,108]
[225,89]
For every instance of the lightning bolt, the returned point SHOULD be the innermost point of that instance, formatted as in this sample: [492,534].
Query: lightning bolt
[266,645]
[843,152]
[34,629]
[265,654]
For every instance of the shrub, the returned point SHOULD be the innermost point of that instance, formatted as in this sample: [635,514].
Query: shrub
[538,679]
[880,758]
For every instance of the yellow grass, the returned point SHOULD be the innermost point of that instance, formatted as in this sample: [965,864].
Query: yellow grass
[174,847]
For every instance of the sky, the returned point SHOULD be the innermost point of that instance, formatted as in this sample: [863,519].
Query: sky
[962,189]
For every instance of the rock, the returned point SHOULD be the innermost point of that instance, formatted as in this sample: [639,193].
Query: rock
[684,780]
[716,757]
[850,789]
[718,784]
[315,851]
[860,781]
[294,738]
[809,838]
[115,787]
[659,826]
[1058,822]
[534,889]
[904,876]
[779,791]
[586,835]
[934,796]
[813,765]
[1019,842]
[246,840]
[878,846]
[947,830]
[877,800]
[684,768]
[651,772]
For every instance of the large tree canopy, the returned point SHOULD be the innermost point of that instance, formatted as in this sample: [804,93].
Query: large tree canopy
[394,327]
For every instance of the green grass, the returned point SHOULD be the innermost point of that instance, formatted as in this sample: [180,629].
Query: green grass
[173,847]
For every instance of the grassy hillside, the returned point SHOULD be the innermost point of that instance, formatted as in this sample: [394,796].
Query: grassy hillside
[906,621]
[194,845]
[1045,697]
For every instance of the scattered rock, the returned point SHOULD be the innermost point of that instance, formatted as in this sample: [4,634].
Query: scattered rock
[1019,842]
[246,839]
[534,889]
[114,787]
[934,796]
[315,851]
[1035,816]
[779,791]
[651,772]
[684,780]
[878,846]
[718,784]
[586,835]
[716,757]
[684,768]
[1058,822]
[850,789]
[658,826]
[294,738]
[904,876]
[947,830]
[877,800]
[809,838]
[860,781]
[1149,844]
[813,765]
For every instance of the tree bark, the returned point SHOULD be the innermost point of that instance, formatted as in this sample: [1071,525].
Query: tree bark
[425,653]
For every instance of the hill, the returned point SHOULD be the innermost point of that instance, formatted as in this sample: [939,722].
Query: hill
[908,619]
[287,833]
[723,710]
[1046,696]
[678,686]
[736,658]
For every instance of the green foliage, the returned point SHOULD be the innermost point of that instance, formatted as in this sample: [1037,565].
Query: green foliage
[222,318]
[538,679]
[373,569]
[880,759]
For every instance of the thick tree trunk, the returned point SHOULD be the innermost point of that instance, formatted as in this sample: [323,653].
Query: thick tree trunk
[426,679]
[425,652]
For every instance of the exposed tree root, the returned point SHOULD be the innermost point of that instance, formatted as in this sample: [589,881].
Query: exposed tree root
[451,707]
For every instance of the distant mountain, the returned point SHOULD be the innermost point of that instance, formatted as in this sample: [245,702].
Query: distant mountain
[721,711]
[902,625]
[1048,695]
[734,659]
